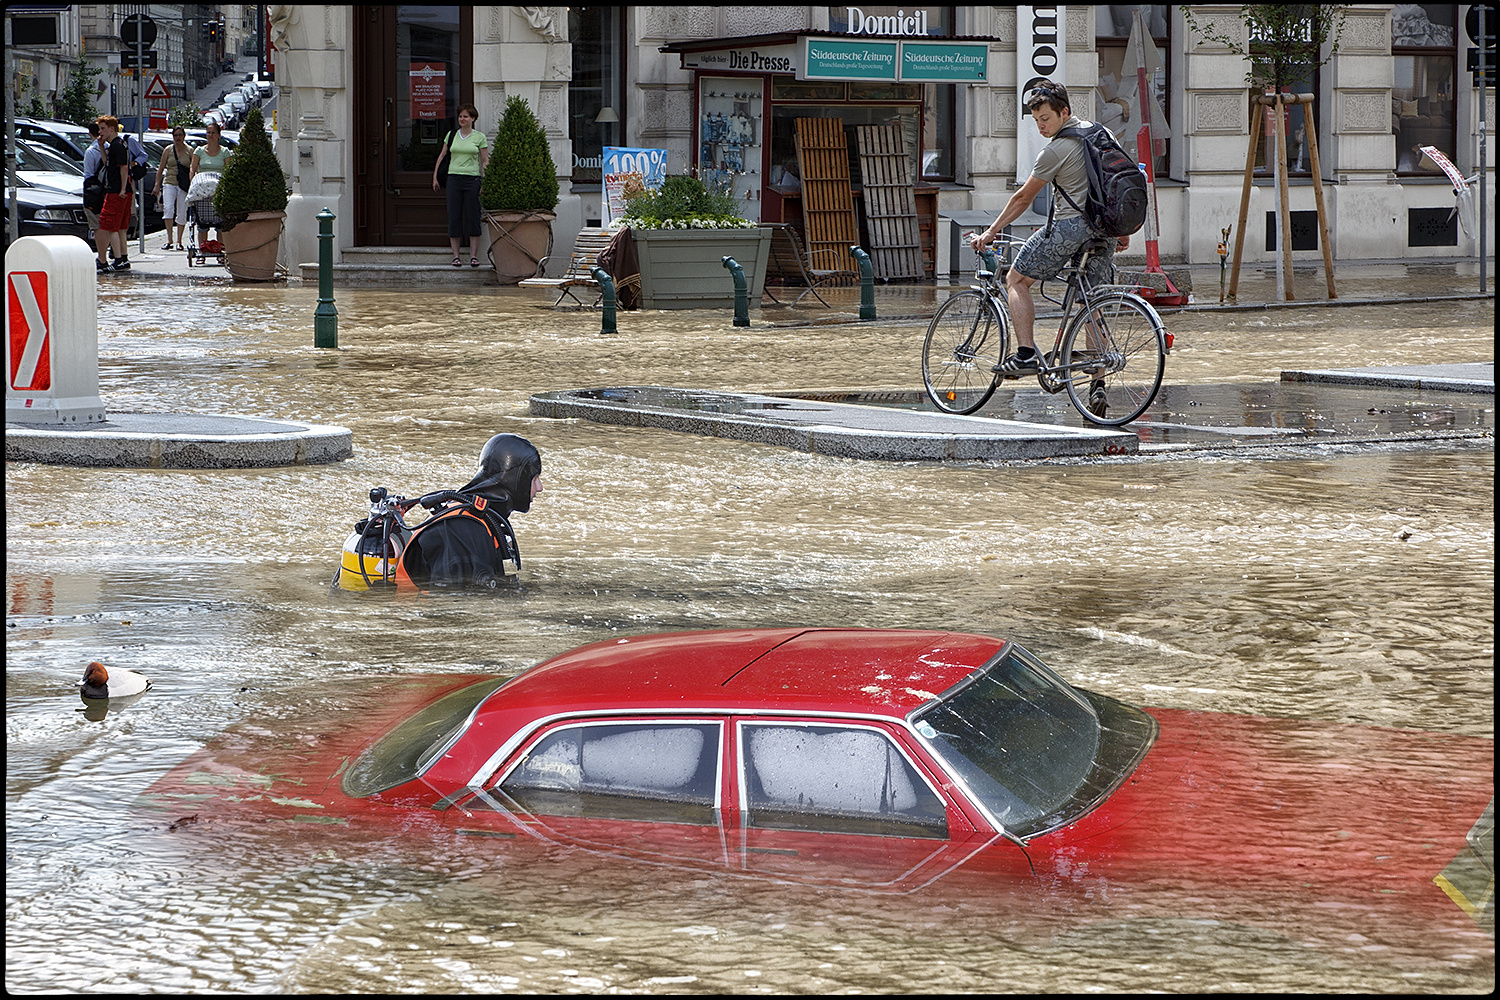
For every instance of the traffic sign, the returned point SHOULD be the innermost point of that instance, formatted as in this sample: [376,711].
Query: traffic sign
[147,59]
[29,305]
[138,30]
[158,90]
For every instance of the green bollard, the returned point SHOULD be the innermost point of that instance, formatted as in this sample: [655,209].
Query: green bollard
[607,305]
[325,317]
[866,283]
[741,292]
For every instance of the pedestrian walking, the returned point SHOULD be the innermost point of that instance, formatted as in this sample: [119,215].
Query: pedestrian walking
[208,158]
[173,175]
[468,154]
[114,216]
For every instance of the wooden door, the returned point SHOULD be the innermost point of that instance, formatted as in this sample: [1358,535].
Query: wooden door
[413,67]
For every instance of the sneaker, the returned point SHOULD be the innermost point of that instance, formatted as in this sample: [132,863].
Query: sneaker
[122,263]
[1019,364]
[1098,401]
[101,267]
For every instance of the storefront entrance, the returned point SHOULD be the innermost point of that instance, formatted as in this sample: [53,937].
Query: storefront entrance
[413,66]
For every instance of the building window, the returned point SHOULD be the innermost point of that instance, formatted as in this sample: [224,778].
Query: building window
[1423,109]
[596,113]
[1117,99]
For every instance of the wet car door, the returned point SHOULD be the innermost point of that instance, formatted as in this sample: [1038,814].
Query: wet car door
[849,804]
[643,788]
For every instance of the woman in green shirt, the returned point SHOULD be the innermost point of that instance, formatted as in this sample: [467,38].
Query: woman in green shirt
[208,158]
[470,154]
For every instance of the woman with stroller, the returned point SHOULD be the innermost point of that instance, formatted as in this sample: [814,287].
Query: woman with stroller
[208,158]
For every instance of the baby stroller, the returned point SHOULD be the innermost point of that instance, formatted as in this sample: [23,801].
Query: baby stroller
[201,214]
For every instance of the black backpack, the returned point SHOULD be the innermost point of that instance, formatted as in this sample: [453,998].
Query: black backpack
[1117,201]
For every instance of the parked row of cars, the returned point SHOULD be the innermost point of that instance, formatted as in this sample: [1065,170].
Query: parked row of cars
[235,104]
[49,169]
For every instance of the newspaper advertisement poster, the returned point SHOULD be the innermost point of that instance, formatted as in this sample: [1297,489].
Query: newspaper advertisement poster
[628,170]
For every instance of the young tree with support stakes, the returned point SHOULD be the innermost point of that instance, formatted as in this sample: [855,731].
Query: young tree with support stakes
[1283,43]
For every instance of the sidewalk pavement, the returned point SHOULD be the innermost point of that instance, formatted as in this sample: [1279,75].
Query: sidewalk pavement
[1356,283]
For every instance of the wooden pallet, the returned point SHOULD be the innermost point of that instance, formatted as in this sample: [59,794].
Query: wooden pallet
[890,205]
[827,199]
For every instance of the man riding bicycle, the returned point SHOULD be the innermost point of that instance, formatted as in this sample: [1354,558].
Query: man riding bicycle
[1067,233]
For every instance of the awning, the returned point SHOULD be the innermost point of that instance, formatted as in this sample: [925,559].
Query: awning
[827,55]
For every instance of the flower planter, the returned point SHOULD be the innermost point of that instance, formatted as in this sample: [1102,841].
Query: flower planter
[684,268]
[518,242]
[251,246]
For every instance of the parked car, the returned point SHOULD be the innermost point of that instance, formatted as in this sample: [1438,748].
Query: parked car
[41,167]
[64,137]
[48,212]
[878,760]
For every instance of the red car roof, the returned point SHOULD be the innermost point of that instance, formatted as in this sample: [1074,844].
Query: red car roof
[884,672]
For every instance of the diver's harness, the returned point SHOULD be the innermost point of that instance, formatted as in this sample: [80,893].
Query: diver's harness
[387,524]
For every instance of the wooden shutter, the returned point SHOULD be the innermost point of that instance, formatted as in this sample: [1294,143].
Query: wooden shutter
[827,201]
[890,205]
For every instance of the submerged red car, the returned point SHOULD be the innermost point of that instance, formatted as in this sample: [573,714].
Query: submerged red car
[887,760]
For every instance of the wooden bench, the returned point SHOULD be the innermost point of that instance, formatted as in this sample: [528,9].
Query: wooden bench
[587,247]
[791,263]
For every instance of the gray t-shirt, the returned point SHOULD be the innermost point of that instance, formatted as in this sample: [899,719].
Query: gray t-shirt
[1061,161]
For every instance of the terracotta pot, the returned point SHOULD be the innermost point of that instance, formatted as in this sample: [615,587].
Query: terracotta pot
[518,242]
[251,247]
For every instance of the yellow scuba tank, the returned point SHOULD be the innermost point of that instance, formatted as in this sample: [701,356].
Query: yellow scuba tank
[373,550]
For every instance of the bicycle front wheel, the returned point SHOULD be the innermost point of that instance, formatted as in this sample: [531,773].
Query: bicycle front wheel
[1112,359]
[965,340]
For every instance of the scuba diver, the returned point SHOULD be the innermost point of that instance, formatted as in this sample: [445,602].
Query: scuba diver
[468,540]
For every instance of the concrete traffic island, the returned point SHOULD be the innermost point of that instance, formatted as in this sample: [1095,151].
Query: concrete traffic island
[53,411]
[843,430]
[178,441]
[1476,377]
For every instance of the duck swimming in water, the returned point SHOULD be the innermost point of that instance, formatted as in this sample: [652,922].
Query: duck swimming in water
[99,682]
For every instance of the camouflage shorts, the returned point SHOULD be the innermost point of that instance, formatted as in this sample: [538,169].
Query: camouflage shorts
[1054,247]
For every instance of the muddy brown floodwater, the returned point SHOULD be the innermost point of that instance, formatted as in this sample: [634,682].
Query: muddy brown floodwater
[1350,585]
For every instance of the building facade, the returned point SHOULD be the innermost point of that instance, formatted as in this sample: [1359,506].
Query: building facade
[367,94]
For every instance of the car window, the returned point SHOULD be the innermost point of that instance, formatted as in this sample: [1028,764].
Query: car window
[39,157]
[835,778]
[1036,752]
[405,752]
[658,771]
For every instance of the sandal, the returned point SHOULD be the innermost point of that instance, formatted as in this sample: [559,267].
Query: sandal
[473,261]
[457,262]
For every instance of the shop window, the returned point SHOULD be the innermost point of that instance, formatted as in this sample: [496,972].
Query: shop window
[596,113]
[1423,109]
[1116,100]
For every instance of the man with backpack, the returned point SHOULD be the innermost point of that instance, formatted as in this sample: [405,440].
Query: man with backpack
[1097,214]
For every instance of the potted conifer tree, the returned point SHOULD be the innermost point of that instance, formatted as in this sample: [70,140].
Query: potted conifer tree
[251,203]
[518,193]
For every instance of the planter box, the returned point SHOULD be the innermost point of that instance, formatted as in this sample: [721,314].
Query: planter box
[684,268]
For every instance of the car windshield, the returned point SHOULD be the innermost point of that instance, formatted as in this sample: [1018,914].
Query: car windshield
[407,750]
[29,157]
[1036,752]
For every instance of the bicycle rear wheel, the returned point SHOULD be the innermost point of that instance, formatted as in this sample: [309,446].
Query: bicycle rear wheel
[965,340]
[1124,335]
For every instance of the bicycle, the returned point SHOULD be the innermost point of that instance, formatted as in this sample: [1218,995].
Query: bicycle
[1109,355]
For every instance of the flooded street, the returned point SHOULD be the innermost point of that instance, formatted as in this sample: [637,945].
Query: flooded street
[1320,584]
